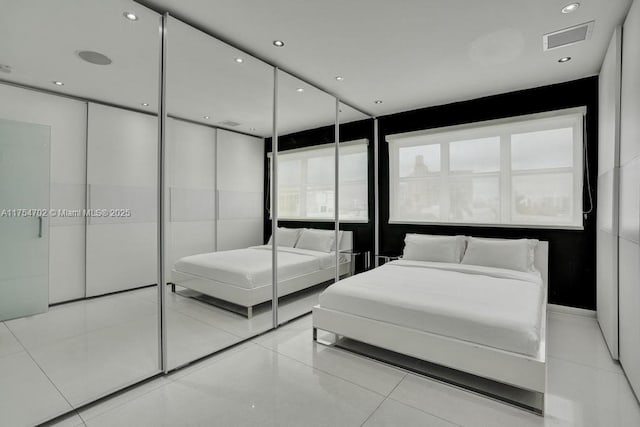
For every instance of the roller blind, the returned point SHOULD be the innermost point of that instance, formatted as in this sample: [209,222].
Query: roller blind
[520,172]
[306,182]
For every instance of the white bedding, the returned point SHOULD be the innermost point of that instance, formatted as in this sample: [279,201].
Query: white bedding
[489,306]
[251,267]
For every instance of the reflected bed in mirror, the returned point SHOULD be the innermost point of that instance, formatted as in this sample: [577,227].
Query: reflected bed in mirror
[239,280]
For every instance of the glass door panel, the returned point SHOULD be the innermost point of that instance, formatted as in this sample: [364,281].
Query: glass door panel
[24,218]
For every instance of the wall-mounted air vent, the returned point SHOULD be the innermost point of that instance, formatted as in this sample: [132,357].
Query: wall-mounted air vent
[568,36]
[229,123]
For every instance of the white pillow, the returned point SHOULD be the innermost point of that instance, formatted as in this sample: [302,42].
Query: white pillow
[501,253]
[425,247]
[287,236]
[317,240]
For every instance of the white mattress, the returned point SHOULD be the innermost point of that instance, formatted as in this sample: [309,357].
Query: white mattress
[251,267]
[489,306]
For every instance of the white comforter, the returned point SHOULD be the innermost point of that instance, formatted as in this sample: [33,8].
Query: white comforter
[251,267]
[490,306]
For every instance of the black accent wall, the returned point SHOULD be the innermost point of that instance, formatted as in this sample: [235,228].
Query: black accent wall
[572,274]
[572,253]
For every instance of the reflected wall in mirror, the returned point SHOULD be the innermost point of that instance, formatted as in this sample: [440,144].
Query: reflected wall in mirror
[306,255]
[219,102]
[78,146]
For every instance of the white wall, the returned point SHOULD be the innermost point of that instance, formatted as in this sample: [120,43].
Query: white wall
[240,184]
[608,172]
[121,173]
[191,190]
[629,232]
[67,119]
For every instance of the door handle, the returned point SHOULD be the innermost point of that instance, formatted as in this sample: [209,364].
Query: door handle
[40,227]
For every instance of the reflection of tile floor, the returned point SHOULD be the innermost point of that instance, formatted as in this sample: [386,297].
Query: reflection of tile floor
[80,351]
[283,378]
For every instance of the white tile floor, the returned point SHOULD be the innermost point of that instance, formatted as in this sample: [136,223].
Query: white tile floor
[81,351]
[284,379]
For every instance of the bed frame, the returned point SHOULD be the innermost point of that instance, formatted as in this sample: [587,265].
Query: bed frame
[248,298]
[515,369]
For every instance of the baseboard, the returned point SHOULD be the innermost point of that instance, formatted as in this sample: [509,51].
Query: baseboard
[571,310]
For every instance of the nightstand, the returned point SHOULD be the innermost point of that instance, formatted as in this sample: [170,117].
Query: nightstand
[383,259]
[353,255]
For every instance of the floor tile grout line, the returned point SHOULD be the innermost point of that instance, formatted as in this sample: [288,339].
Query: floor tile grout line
[14,337]
[374,411]
[43,372]
[385,399]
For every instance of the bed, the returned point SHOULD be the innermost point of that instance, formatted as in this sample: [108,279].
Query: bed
[243,277]
[485,321]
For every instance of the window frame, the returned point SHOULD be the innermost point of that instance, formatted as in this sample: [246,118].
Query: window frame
[502,128]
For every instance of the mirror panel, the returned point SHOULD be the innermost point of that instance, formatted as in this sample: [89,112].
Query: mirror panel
[306,195]
[219,103]
[357,203]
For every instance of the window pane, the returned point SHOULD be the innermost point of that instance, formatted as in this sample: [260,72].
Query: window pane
[289,188]
[353,200]
[353,186]
[477,155]
[542,198]
[475,199]
[320,202]
[419,161]
[542,150]
[320,170]
[419,199]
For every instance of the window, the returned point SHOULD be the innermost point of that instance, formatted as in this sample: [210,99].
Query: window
[522,172]
[306,178]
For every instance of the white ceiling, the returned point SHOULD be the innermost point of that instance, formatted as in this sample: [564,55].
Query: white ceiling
[410,53]
[40,39]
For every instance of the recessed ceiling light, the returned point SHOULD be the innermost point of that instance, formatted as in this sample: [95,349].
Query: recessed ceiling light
[300,90]
[130,16]
[278,43]
[377,101]
[206,117]
[57,83]
[565,59]
[239,60]
[144,104]
[570,8]
[339,78]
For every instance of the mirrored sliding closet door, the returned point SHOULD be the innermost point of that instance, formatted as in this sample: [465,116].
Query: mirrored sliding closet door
[78,174]
[218,267]
[306,196]
[356,198]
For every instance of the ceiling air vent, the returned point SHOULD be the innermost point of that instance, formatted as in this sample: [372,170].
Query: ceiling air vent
[229,123]
[568,36]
